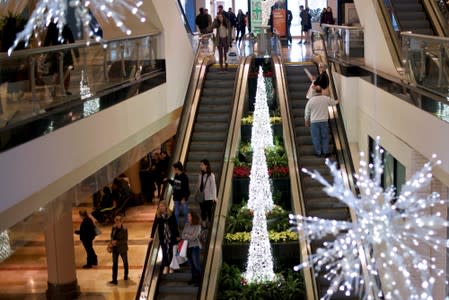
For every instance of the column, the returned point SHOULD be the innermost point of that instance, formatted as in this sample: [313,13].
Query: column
[60,250]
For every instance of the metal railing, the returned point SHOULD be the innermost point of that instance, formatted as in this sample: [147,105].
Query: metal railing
[426,61]
[33,81]
[341,41]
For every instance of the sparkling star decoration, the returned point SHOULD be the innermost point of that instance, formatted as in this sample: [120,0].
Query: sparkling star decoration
[388,235]
[48,10]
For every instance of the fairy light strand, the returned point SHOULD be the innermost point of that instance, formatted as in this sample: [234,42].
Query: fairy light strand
[260,260]
[56,10]
[390,228]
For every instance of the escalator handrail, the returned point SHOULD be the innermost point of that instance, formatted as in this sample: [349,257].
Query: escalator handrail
[393,42]
[436,17]
[298,205]
[214,258]
[345,161]
[150,275]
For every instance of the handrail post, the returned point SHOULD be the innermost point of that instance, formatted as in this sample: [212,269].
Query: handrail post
[32,72]
[61,70]
[122,58]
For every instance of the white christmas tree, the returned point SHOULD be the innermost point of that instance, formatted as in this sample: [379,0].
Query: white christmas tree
[261,133]
[260,260]
[389,228]
[84,86]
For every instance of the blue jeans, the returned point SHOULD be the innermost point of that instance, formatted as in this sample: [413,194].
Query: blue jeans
[320,137]
[193,256]
[185,210]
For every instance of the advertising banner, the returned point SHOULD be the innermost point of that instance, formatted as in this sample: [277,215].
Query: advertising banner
[256,16]
[280,18]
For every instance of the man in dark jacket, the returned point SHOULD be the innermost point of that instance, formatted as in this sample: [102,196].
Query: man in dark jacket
[119,247]
[181,190]
[202,21]
[87,236]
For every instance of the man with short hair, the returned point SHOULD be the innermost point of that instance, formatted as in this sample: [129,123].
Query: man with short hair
[201,21]
[316,117]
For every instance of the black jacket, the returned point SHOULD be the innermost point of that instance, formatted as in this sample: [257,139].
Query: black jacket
[180,187]
[159,225]
[87,230]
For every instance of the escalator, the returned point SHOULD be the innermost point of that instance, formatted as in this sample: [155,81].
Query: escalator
[208,141]
[411,16]
[316,203]
[205,132]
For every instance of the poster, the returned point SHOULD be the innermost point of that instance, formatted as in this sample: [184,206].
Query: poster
[280,19]
[256,16]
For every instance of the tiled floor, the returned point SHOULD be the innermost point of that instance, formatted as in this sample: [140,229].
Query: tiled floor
[24,274]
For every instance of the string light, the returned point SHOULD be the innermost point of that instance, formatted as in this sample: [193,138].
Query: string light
[5,246]
[56,10]
[90,106]
[260,260]
[391,229]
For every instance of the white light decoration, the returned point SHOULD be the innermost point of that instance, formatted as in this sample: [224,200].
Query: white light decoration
[90,106]
[389,229]
[260,196]
[260,261]
[5,246]
[48,10]
[261,133]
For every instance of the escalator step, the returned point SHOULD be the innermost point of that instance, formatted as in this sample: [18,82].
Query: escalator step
[216,100]
[214,108]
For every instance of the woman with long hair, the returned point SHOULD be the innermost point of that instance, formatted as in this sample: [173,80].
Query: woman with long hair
[222,37]
[167,227]
[208,189]
[191,233]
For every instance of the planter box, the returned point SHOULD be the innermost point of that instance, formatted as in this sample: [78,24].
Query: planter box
[282,185]
[240,189]
[245,132]
[284,254]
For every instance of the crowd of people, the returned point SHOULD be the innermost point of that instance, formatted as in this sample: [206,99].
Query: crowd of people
[154,174]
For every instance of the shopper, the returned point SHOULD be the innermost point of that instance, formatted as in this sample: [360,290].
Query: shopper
[316,117]
[168,232]
[191,233]
[87,236]
[221,24]
[306,24]
[119,247]
[181,190]
[207,189]
[241,26]
[201,21]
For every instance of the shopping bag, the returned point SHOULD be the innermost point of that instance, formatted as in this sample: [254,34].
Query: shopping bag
[182,248]
[174,264]
[232,56]
[310,92]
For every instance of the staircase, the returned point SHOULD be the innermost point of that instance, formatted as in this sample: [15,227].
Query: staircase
[411,16]
[317,202]
[208,141]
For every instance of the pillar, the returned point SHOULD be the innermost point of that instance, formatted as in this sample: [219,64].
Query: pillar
[60,251]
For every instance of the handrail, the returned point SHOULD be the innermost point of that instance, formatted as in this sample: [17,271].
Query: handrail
[386,24]
[341,27]
[437,19]
[296,192]
[76,45]
[150,277]
[214,258]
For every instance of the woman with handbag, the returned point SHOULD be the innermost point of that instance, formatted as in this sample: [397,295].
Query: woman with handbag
[167,227]
[191,233]
[207,192]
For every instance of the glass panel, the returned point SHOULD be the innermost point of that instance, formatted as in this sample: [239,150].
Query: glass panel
[34,81]
[426,62]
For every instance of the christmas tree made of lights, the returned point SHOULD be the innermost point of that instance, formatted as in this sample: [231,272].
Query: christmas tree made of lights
[260,260]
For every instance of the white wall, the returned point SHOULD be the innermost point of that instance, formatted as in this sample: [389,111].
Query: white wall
[37,172]
[179,54]
[402,127]
[377,54]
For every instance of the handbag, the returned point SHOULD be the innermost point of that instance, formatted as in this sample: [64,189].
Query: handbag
[199,196]
[109,248]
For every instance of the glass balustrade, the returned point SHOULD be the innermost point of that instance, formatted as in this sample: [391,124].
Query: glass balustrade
[34,81]
[341,41]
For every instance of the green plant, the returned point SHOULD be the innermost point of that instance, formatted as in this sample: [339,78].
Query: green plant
[232,285]
[273,236]
[249,119]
